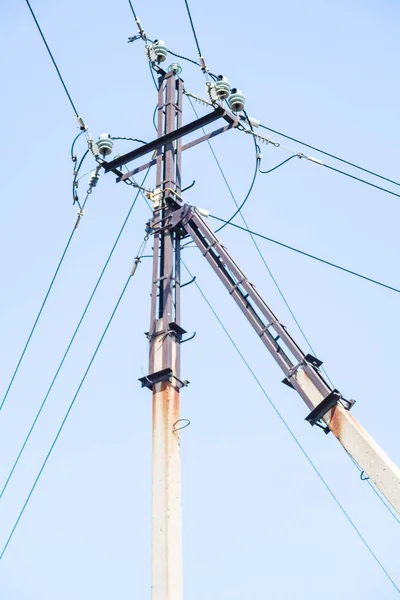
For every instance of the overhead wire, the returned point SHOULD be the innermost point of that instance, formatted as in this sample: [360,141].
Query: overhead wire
[73,157]
[302,252]
[132,9]
[330,155]
[128,139]
[37,319]
[277,166]
[315,160]
[71,340]
[291,433]
[137,260]
[52,58]
[194,62]
[378,187]
[193,29]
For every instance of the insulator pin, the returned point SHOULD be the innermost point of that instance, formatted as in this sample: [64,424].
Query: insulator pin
[175,68]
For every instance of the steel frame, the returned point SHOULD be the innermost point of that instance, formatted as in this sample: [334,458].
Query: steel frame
[302,371]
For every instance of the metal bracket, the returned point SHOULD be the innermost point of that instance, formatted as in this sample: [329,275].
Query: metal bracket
[323,407]
[309,359]
[160,376]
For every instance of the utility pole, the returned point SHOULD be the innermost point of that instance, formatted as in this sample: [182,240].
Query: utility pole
[165,335]
[173,220]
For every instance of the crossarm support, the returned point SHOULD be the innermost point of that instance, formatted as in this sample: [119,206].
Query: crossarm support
[301,370]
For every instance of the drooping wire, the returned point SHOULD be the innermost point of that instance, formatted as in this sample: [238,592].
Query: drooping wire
[303,253]
[193,29]
[71,340]
[291,433]
[68,412]
[277,166]
[282,295]
[128,139]
[154,118]
[288,137]
[320,162]
[52,58]
[245,198]
[194,62]
[257,166]
[73,157]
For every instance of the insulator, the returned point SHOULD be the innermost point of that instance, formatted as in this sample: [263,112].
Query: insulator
[222,87]
[236,100]
[93,179]
[105,144]
[175,68]
[160,50]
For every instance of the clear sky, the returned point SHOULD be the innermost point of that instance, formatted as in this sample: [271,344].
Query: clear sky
[257,522]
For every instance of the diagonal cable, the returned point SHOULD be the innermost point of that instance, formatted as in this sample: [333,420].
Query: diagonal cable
[52,58]
[292,434]
[71,342]
[308,255]
[137,260]
[37,319]
[193,29]
[351,164]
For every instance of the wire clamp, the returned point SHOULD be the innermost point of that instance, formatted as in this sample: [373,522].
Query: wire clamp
[81,123]
[333,399]
[203,65]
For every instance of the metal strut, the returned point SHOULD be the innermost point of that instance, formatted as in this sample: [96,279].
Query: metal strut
[165,336]
[328,408]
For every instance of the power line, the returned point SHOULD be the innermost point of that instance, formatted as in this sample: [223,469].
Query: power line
[71,341]
[378,187]
[239,208]
[52,58]
[132,9]
[73,157]
[315,160]
[128,139]
[330,155]
[326,262]
[194,62]
[291,433]
[193,29]
[37,319]
[137,260]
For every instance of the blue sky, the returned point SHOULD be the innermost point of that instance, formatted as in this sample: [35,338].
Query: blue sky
[257,522]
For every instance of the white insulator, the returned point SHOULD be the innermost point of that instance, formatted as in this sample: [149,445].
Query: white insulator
[105,144]
[222,87]
[160,50]
[236,100]
[93,179]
